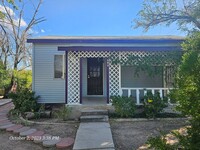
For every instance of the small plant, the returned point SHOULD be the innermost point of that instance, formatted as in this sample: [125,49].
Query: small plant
[25,101]
[63,113]
[124,106]
[26,123]
[14,112]
[153,104]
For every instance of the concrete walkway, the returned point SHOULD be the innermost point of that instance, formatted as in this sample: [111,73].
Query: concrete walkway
[93,136]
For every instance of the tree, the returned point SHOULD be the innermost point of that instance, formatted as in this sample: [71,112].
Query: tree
[15,30]
[186,13]
[18,30]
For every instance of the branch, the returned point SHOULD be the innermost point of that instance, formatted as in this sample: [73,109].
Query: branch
[24,67]
[11,20]
[33,20]
[154,14]
[20,19]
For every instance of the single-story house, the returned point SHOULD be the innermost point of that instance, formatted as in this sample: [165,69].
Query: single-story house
[76,70]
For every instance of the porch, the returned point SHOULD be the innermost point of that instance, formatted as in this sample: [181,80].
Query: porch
[115,61]
[93,83]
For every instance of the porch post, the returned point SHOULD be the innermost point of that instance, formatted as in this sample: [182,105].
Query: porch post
[81,80]
[107,80]
[66,77]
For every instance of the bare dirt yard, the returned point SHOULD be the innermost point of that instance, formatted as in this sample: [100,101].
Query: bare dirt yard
[133,134]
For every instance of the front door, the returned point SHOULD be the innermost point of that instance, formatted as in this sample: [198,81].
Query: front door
[95,76]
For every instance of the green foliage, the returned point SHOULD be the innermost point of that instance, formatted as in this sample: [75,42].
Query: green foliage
[153,104]
[189,141]
[25,101]
[124,106]
[187,91]
[63,113]
[23,79]
[14,112]
[153,62]
[4,76]
[159,143]
[192,140]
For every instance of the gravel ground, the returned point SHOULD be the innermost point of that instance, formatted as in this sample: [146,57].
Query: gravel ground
[61,130]
[7,144]
[132,135]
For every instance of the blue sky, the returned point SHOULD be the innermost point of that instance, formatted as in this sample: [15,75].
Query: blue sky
[94,18]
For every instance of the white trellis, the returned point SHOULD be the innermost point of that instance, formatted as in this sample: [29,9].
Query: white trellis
[73,78]
[74,73]
[114,70]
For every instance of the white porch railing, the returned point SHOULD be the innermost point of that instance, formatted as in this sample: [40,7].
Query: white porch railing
[139,93]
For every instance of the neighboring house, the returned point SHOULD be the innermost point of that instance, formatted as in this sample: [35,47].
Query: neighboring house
[74,70]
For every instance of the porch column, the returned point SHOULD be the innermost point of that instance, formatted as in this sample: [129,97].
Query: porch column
[66,77]
[107,81]
[81,80]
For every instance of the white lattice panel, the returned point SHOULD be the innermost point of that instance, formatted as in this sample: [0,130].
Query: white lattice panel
[73,78]
[114,80]
[88,54]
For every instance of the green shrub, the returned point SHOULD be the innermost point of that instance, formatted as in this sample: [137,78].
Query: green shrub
[187,91]
[159,143]
[63,113]
[25,101]
[124,106]
[153,104]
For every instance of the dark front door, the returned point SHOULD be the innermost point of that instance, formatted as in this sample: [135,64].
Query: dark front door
[95,76]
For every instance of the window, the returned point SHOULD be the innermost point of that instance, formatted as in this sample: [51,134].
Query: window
[59,66]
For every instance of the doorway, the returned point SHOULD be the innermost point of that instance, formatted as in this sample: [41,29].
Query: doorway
[95,76]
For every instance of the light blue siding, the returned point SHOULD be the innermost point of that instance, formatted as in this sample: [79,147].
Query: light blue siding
[51,90]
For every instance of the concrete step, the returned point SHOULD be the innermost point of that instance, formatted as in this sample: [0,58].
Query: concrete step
[94,112]
[94,118]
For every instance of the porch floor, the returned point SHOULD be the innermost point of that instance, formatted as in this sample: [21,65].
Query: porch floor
[94,101]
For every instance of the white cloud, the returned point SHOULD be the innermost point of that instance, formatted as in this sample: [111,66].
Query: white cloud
[31,31]
[42,30]
[22,23]
[6,21]
[10,11]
